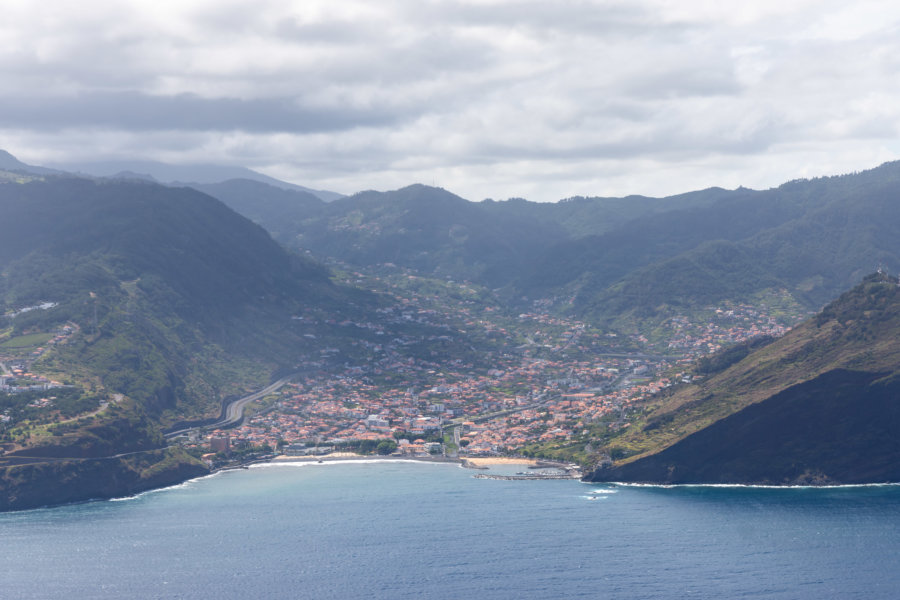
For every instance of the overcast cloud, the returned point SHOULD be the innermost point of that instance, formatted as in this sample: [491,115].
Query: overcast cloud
[487,98]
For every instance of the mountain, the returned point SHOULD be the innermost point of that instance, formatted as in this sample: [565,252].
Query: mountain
[428,229]
[528,248]
[590,216]
[813,238]
[8,162]
[280,211]
[818,405]
[598,261]
[183,174]
[162,302]
[621,263]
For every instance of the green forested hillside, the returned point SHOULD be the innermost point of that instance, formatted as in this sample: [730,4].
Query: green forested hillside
[152,276]
[833,232]
[530,248]
[620,262]
[282,212]
[162,302]
[430,230]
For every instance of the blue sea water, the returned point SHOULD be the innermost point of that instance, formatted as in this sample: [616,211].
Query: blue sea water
[398,530]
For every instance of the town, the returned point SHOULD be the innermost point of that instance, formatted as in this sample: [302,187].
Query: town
[18,353]
[550,382]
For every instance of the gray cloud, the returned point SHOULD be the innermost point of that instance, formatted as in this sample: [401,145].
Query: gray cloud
[488,98]
[187,112]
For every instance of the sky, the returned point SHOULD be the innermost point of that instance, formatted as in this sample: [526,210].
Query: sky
[485,98]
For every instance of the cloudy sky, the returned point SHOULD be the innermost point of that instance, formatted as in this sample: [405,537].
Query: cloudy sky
[487,98]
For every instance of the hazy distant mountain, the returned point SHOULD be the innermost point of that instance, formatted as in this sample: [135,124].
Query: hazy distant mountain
[280,211]
[623,262]
[185,174]
[532,248]
[819,405]
[813,238]
[620,261]
[428,229]
[131,175]
[590,216]
[8,162]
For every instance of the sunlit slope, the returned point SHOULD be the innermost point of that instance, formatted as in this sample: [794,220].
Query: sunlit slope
[820,404]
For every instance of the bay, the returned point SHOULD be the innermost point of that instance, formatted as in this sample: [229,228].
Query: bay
[421,530]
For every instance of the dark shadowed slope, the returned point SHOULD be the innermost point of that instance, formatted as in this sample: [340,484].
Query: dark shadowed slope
[820,405]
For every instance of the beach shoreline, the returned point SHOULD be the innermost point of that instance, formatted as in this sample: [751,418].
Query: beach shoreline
[349,456]
[481,463]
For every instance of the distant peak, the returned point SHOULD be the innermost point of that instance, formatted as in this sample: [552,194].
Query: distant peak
[7,160]
[131,175]
[10,162]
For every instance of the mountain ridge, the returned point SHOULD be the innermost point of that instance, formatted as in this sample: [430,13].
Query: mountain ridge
[185,175]
[169,302]
[626,264]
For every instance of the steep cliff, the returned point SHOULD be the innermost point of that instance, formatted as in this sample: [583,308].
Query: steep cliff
[820,405]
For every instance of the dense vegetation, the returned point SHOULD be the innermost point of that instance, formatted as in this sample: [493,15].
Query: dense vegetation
[171,302]
[155,278]
[621,262]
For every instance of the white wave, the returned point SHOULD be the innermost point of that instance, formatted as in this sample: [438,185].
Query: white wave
[178,486]
[753,486]
[345,461]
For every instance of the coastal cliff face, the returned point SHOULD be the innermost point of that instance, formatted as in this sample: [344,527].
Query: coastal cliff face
[820,405]
[839,428]
[64,481]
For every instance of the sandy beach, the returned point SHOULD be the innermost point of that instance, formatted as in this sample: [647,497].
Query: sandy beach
[283,457]
[477,462]
[338,456]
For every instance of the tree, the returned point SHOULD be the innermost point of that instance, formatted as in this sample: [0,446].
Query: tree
[386,447]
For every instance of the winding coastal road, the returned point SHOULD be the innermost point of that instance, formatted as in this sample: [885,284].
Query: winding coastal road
[17,460]
[234,412]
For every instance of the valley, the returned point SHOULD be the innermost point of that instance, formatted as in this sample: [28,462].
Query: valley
[537,383]
[152,331]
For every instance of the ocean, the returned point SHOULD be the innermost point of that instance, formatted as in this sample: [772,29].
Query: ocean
[397,530]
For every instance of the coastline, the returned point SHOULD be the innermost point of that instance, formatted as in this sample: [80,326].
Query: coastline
[482,463]
[176,478]
[349,456]
[479,463]
[469,462]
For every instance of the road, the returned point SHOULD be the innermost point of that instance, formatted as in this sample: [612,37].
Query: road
[19,460]
[234,412]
